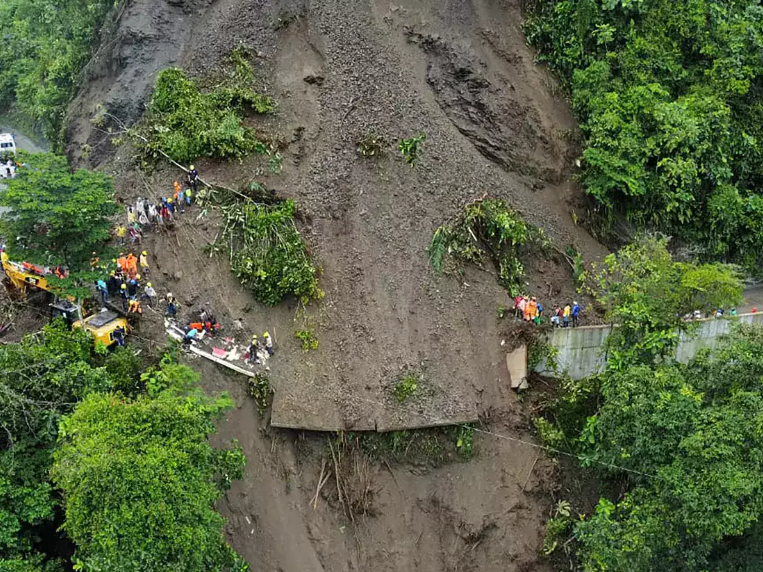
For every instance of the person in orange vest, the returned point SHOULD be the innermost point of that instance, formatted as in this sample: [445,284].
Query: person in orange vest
[132,265]
[134,306]
[177,191]
[532,307]
[122,263]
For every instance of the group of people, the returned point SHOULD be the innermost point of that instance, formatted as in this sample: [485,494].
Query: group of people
[146,214]
[124,281]
[256,345]
[530,309]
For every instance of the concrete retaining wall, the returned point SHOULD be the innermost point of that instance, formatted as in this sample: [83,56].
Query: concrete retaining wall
[581,350]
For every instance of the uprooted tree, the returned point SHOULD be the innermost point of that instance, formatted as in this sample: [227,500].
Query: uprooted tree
[184,122]
[486,229]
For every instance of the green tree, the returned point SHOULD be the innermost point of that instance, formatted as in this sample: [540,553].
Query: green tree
[41,380]
[647,294]
[695,429]
[57,217]
[140,480]
[45,45]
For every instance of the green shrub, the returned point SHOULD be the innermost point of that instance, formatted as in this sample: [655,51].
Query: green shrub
[186,123]
[269,256]
[485,228]
[406,386]
[308,339]
[372,144]
[411,148]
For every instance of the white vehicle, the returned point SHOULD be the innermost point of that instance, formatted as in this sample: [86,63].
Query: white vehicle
[7,143]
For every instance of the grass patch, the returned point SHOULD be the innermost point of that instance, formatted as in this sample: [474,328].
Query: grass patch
[432,446]
[373,144]
[407,385]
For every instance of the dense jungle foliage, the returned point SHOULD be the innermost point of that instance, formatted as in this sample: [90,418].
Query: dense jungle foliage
[44,45]
[164,461]
[668,95]
[678,445]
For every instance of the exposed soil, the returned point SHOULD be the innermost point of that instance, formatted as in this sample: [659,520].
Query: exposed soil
[461,73]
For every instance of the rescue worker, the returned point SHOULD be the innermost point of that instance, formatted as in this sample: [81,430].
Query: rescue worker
[122,264]
[539,314]
[143,261]
[150,294]
[123,294]
[188,192]
[193,179]
[121,233]
[575,313]
[112,284]
[134,306]
[268,343]
[556,319]
[521,307]
[132,265]
[119,335]
[132,287]
[532,309]
[253,347]
[190,335]
[177,190]
[103,290]
[566,315]
[131,218]
[172,306]
[518,312]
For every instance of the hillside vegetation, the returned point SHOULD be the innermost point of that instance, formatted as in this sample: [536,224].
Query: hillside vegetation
[668,95]
[45,44]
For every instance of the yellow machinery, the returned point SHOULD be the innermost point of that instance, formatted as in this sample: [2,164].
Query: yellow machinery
[101,324]
[24,276]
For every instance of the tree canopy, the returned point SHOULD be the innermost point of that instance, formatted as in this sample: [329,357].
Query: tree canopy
[648,294]
[41,380]
[668,94]
[57,217]
[678,446]
[140,481]
[45,44]
[696,430]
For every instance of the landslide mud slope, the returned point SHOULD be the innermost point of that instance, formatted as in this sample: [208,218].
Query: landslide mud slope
[461,73]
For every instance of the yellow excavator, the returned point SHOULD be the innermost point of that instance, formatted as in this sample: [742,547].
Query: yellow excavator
[24,276]
[102,325]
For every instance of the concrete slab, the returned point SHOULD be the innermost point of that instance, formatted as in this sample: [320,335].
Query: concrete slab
[516,362]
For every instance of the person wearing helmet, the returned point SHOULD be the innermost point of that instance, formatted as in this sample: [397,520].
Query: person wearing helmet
[124,295]
[575,313]
[268,343]
[172,306]
[149,294]
[252,351]
[143,262]
[134,307]
[193,179]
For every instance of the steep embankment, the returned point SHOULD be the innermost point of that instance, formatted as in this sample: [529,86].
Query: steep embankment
[459,72]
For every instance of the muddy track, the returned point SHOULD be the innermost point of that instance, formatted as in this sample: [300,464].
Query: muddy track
[461,73]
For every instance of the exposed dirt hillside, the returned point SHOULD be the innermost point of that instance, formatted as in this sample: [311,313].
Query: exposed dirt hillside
[459,72]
